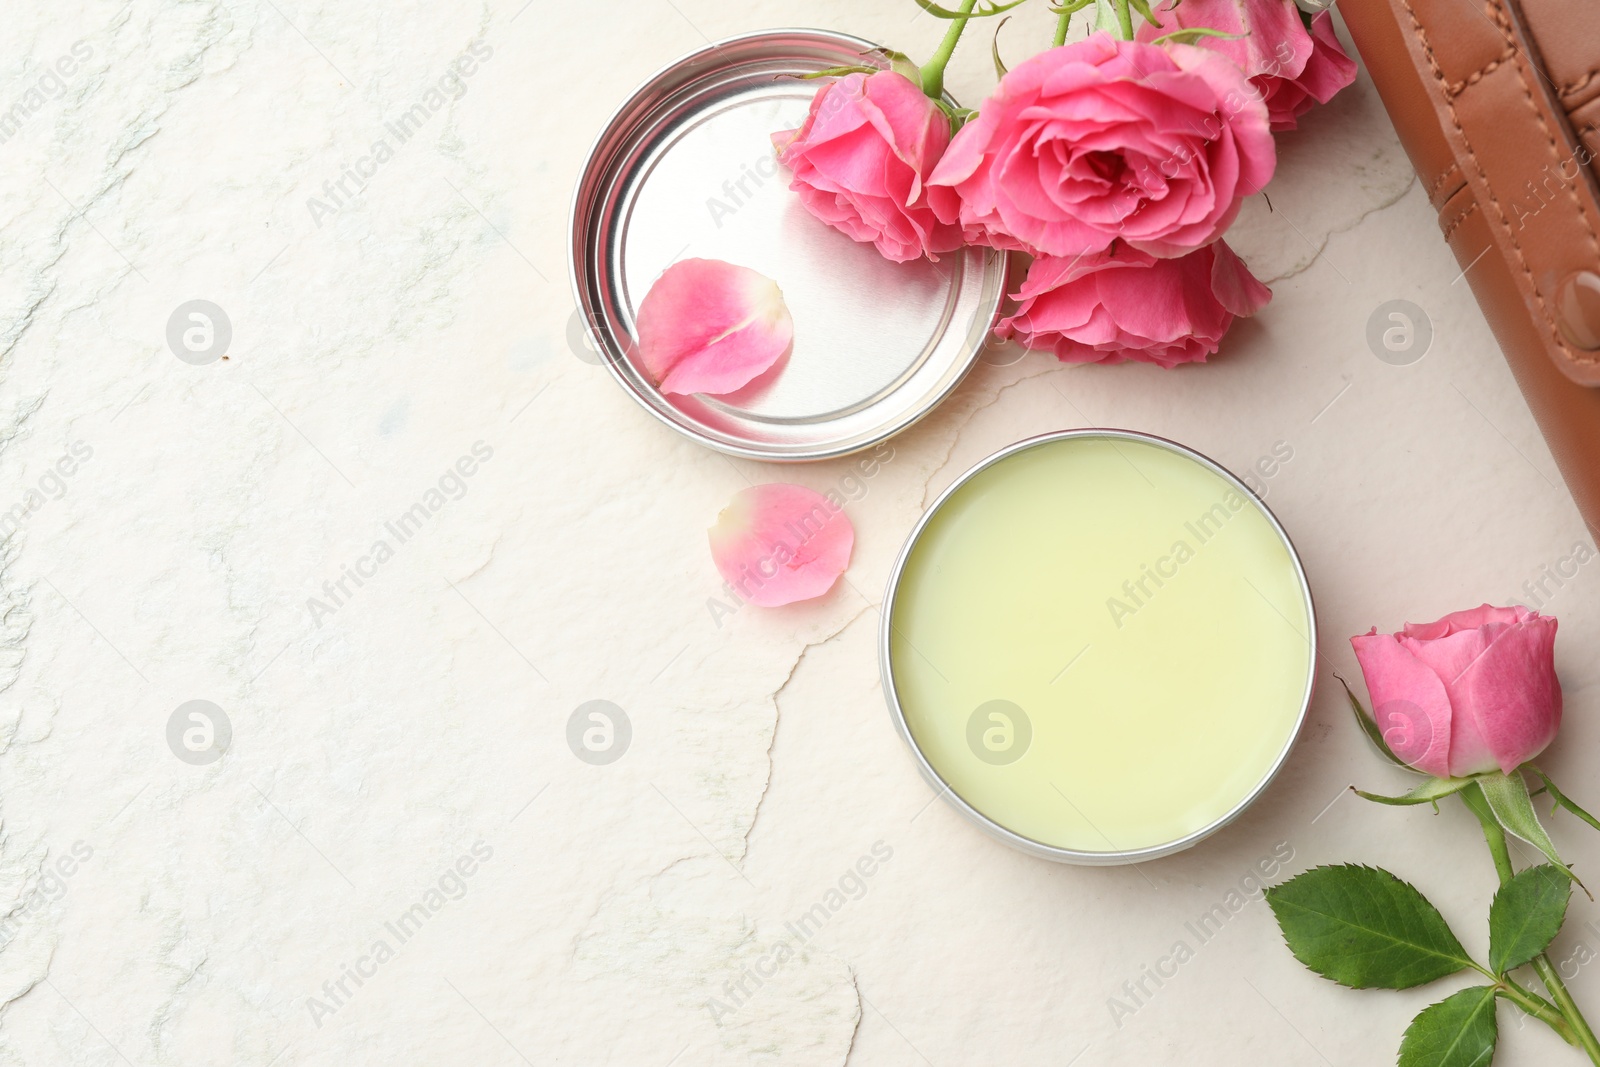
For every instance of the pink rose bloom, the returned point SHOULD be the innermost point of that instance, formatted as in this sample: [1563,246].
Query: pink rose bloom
[1291,67]
[861,163]
[1107,139]
[1126,304]
[1474,692]
[1327,71]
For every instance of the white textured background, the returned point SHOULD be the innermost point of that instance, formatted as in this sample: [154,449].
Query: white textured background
[428,714]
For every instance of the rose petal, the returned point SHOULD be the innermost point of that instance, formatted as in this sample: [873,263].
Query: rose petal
[1234,286]
[707,326]
[1265,36]
[1290,66]
[1408,702]
[776,544]
[1468,619]
[1512,692]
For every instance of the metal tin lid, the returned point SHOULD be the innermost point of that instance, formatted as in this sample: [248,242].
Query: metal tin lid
[889,628]
[686,168]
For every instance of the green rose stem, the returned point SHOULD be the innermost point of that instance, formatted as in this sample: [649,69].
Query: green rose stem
[933,70]
[1061,30]
[1577,1031]
[1533,1004]
[1124,18]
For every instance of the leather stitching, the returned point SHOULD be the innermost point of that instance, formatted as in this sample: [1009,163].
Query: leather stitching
[1478,75]
[1579,85]
[1449,172]
[1421,36]
[1503,19]
[1450,228]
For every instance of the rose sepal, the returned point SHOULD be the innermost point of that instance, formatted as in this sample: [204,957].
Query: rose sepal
[1369,726]
[1505,797]
[958,116]
[982,11]
[1106,20]
[1430,792]
[1559,799]
[1193,34]
[838,72]
[900,63]
[1143,8]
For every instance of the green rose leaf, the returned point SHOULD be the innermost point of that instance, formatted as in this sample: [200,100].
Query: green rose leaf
[1526,916]
[1365,928]
[1508,798]
[1459,1031]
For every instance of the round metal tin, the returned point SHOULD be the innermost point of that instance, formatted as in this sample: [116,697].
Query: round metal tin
[686,169]
[995,829]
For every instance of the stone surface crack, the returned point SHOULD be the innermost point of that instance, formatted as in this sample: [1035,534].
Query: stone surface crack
[855,1031]
[955,438]
[777,715]
[16,615]
[1322,245]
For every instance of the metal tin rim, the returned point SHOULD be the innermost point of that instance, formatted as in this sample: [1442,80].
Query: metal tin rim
[609,350]
[984,822]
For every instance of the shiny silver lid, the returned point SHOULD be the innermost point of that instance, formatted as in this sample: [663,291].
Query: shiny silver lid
[686,169]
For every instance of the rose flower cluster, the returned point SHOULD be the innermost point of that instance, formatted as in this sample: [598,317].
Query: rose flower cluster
[1115,162]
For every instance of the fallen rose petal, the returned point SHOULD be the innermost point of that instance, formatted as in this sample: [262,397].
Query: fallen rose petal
[776,544]
[707,326]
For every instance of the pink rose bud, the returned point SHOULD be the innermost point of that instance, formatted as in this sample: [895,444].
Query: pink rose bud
[1107,139]
[1128,305]
[1292,67]
[861,161]
[1474,692]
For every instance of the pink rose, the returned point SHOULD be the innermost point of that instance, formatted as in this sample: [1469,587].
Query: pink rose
[1107,139]
[861,162]
[1290,66]
[1327,71]
[1126,304]
[1474,692]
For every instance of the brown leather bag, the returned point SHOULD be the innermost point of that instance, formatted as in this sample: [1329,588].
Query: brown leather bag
[1498,104]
